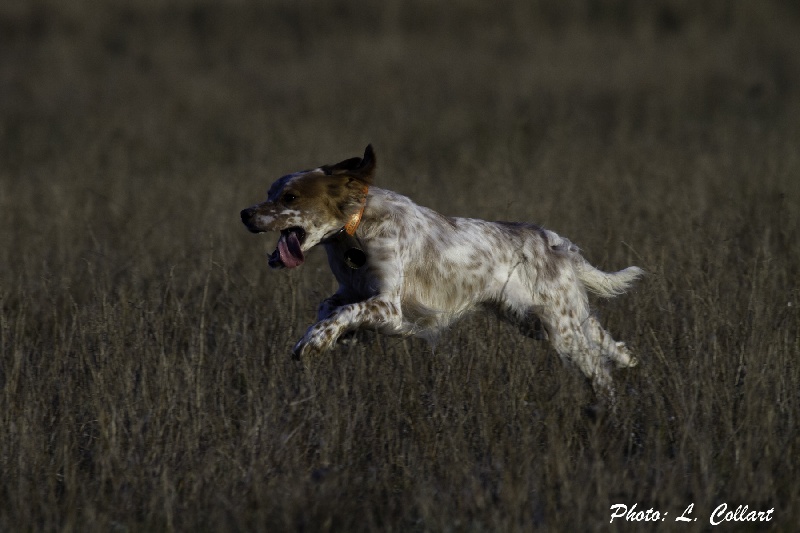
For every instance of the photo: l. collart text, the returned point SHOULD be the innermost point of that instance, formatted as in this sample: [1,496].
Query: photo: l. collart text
[721,514]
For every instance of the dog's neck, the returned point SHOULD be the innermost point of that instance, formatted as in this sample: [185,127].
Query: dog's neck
[355,219]
[353,255]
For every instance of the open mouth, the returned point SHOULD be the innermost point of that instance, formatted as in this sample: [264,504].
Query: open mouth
[288,253]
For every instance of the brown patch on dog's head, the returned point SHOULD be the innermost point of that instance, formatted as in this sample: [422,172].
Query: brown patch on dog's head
[308,206]
[335,189]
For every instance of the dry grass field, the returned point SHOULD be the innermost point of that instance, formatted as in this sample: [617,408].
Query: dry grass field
[145,377]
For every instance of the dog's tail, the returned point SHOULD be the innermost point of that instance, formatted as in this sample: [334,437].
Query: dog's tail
[606,284]
[603,284]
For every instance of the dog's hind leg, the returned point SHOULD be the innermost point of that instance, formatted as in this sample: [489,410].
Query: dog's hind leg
[615,351]
[564,321]
[572,345]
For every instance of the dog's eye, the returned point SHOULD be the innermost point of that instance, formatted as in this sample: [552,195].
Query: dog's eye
[289,198]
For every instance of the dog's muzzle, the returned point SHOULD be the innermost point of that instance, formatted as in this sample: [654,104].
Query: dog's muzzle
[247,219]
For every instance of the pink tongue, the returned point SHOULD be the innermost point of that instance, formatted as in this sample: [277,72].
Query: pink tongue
[289,250]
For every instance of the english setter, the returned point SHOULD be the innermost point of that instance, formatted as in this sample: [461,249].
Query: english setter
[404,269]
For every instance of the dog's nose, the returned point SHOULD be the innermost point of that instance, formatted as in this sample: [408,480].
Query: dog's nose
[248,219]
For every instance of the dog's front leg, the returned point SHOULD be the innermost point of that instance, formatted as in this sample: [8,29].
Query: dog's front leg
[328,306]
[377,312]
[331,304]
[334,302]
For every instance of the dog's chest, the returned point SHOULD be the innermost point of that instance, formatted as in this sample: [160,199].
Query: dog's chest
[352,271]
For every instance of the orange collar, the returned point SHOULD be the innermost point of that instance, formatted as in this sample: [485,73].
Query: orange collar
[355,219]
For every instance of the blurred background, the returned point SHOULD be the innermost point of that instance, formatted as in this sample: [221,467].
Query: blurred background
[123,99]
[145,378]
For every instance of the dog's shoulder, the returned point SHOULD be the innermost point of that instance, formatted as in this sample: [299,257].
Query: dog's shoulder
[391,212]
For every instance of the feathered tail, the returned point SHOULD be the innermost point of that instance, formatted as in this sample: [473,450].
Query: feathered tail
[607,284]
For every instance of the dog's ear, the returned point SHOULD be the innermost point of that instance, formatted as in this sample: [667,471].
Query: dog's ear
[362,169]
[366,170]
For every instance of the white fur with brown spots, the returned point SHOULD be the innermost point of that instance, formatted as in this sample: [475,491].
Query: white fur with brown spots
[424,270]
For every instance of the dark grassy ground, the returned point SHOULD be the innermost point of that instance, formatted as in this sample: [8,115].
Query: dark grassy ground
[145,382]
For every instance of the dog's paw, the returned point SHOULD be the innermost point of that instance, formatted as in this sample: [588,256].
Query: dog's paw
[317,340]
[304,351]
[624,356]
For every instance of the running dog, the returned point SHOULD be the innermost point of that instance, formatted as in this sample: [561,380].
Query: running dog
[404,269]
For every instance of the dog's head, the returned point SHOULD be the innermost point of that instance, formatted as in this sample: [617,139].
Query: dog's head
[309,206]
